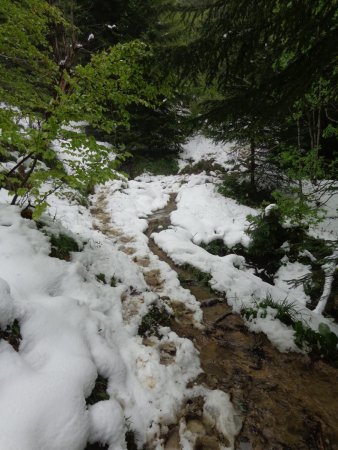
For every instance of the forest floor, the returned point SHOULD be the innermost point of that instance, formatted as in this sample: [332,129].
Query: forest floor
[135,339]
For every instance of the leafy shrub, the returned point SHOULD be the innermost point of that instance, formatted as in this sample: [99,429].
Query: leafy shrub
[156,317]
[321,343]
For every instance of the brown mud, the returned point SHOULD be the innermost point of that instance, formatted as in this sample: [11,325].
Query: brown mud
[286,401]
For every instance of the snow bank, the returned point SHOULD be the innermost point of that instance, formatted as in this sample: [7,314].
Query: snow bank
[73,328]
[201,148]
[209,216]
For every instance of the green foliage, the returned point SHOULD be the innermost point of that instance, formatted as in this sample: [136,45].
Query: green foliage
[156,165]
[101,277]
[99,393]
[320,344]
[286,311]
[100,93]
[197,275]
[157,316]
[296,209]
[113,281]
[216,247]
[12,335]
[267,235]
[62,245]
[238,187]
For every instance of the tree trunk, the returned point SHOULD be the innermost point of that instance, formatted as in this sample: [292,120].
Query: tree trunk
[252,167]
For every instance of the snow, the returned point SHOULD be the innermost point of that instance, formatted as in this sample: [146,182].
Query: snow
[269,208]
[290,272]
[6,305]
[200,148]
[72,328]
[209,216]
[219,412]
[75,326]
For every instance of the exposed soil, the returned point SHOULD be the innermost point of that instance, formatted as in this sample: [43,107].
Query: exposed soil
[286,400]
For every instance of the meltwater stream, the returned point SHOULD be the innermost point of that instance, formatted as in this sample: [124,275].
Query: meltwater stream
[287,401]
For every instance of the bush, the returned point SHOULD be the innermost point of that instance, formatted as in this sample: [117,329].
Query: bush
[320,344]
[237,186]
[216,247]
[156,165]
[267,236]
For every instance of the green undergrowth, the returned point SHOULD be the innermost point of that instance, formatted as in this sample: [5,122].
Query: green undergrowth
[204,165]
[12,335]
[219,248]
[321,344]
[62,245]
[156,165]
[99,392]
[102,278]
[197,275]
[236,186]
[156,317]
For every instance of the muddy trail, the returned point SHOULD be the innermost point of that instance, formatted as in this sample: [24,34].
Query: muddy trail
[286,401]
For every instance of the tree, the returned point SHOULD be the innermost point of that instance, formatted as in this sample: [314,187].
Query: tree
[267,58]
[43,89]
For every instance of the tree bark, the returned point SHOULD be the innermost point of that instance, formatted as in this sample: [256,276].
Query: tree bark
[252,167]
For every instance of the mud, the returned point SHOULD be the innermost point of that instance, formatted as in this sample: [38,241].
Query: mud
[287,401]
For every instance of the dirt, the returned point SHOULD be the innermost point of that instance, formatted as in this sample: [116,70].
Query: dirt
[286,401]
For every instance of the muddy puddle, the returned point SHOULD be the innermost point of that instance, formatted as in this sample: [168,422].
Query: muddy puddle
[286,401]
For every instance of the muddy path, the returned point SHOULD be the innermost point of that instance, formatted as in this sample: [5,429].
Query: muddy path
[286,401]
